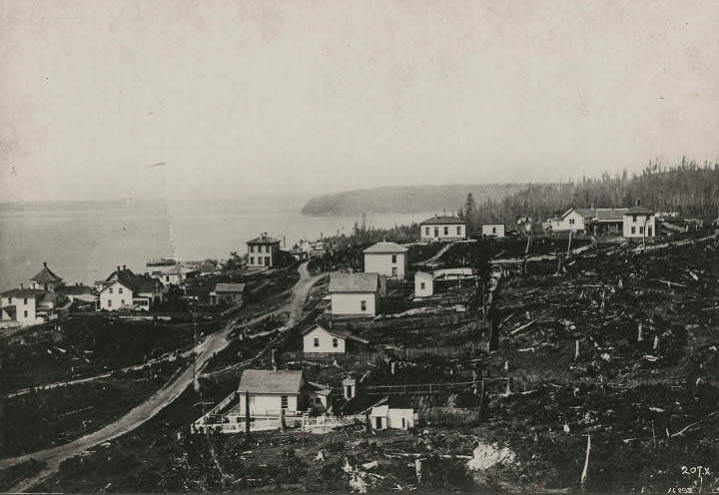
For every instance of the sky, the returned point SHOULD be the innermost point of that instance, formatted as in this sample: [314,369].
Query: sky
[253,98]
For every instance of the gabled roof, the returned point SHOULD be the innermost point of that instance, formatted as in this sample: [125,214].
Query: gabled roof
[342,334]
[74,290]
[639,210]
[225,287]
[46,276]
[23,293]
[599,214]
[270,382]
[136,283]
[353,282]
[444,220]
[385,247]
[264,239]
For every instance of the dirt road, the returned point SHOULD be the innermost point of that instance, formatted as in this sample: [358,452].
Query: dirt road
[212,344]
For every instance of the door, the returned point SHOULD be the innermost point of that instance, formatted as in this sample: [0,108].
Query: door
[378,422]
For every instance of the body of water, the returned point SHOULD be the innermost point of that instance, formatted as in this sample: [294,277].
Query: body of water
[84,241]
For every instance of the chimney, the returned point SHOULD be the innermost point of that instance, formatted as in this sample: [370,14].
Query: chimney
[274,359]
[638,202]
[118,268]
[44,263]
[123,267]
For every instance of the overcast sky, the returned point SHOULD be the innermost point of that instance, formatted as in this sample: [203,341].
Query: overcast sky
[259,97]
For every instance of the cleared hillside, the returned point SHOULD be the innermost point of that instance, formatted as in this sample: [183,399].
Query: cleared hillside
[405,199]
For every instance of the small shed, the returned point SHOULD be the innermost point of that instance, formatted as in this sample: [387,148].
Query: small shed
[423,284]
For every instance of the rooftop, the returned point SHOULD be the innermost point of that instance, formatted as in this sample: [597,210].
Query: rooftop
[23,293]
[46,276]
[134,282]
[343,334]
[263,239]
[353,282]
[385,247]
[225,287]
[444,220]
[600,214]
[639,210]
[270,382]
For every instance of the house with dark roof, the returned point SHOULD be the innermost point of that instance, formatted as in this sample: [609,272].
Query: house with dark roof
[443,228]
[354,294]
[320,340]
[263,251]
[639,222]
[386,258]
[46,279]
[227,293]
[124,289]
[270,392]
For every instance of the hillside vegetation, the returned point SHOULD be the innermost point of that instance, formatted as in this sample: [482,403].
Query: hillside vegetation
[688,188]
[405,199]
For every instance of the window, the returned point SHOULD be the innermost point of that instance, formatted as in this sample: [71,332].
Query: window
[426,231]
[446,231]
[634,219]
[167,278]
[122,301]
[494,230]
[459,230]
[252,248]
[252,260]
[24,301]
[634,230]
[421,285]
[363,305]
[394,271]
[649,231]
[110,290]
[267,248]
[9,300]
[119,291]
[25,313]
[267,261]
[641,229]
[317,342]
[436,231]
[404,423]
[109,303]
[335,344]
[571,221]
[283,400]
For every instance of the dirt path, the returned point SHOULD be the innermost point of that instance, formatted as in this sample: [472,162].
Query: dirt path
[204,351]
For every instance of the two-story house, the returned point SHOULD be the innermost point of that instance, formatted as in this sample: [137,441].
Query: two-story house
[263,251]
[127,290]
[386,258]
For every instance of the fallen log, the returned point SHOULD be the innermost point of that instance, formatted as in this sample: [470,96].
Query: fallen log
[522,327]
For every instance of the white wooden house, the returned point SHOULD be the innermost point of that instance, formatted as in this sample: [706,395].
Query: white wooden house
[270,392]
[263,251]
[354,294]
[392,413]
[19,307]
[386,258]
[124,289]
[318,339]
[639,222]
[493,230]
[443,228]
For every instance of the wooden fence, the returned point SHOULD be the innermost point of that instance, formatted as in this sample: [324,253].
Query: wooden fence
[406,323]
